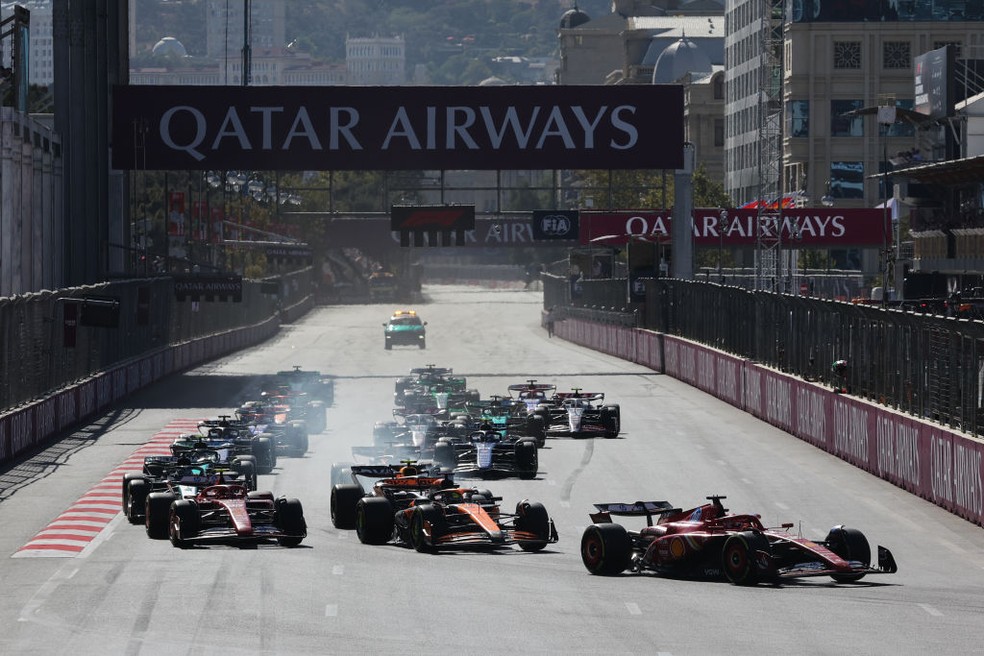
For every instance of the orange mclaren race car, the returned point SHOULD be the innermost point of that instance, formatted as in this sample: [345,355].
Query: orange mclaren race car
[431,513]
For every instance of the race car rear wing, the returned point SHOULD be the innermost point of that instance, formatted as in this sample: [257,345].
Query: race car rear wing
[647,509]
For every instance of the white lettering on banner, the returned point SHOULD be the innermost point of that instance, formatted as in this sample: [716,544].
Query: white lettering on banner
[705,370]
[47,418]
[778,401]
[727,380]
[811,416]
[941,467]
[967,478]
[638,226]
[463,130]
[850,431]
[898,450]
[753,391]
[743,226]
[21,429]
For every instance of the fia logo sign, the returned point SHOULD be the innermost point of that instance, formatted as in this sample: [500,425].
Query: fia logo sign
[555,225]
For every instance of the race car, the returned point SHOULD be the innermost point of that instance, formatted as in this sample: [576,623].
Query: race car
[312,383]
[227,513]
[231,440]
[580,414]
[275,417]
[431,513]
[400,483]
[405,327]
[488,453]
[708,542]
[508,416]
[183,476]
[289,403]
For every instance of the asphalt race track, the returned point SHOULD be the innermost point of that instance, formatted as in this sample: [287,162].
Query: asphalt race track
[123,593]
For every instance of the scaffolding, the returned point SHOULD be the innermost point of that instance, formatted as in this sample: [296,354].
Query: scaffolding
[770,269]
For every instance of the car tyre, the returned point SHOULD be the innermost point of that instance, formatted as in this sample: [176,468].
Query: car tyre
[184,522]
[739,557]
[344,499]
[374,520]
[157,512]
[427,513]
[849,544]
[533,518]
[289,516]
[606,549]
[136,499]
[526,459]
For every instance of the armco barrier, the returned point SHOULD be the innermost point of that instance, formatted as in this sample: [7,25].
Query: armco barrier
[34,424]
[935,463]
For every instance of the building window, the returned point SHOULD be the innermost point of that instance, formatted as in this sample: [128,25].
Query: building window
[845,126]
[896,55]
[798,116]
[847,54]
[719,87]
[847,179]
[719,132]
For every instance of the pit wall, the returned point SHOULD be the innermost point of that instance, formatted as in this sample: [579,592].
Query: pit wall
[938,464]
[35,424]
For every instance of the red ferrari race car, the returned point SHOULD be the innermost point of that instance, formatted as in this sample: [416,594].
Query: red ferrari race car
[708,542]
[225,513]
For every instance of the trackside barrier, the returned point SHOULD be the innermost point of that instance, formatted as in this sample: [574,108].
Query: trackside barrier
[940,465]
[36,423]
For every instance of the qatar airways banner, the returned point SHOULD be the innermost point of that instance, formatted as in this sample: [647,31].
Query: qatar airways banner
[808,227]
[398,128]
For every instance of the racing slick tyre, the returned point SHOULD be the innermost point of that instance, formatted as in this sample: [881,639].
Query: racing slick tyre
[533,518]
[606,549]
[341,472]
[317,417]
[429,514]
[184,522]
[536,428]
[134,498]
[297,437]
[610,420]
[289,516]
[246,466]
[374,520]
[739,558]
[265,452]
[422,344]
[344,499]
[526,459]
[387,345]
[444,455]
[849,544]
[157,512]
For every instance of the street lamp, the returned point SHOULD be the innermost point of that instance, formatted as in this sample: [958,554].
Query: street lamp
[722,221]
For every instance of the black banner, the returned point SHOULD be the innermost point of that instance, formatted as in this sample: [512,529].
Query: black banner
[432,217]
[555,224]
[397,128]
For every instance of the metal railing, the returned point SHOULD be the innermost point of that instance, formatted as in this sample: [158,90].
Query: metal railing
[45,348]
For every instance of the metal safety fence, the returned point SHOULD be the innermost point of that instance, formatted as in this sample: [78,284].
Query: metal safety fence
[47,341]
[928,366]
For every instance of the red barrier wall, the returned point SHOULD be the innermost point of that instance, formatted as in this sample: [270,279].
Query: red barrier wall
[36,423]
[940,465]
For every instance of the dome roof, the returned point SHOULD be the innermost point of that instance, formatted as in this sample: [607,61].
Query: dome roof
[492,82]
[169,46]
[678,59]
[573,18]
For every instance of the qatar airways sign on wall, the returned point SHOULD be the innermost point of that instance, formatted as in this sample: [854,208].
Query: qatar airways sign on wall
[398,128]
[821,227]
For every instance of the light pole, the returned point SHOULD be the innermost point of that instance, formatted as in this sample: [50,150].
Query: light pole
[722,222]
